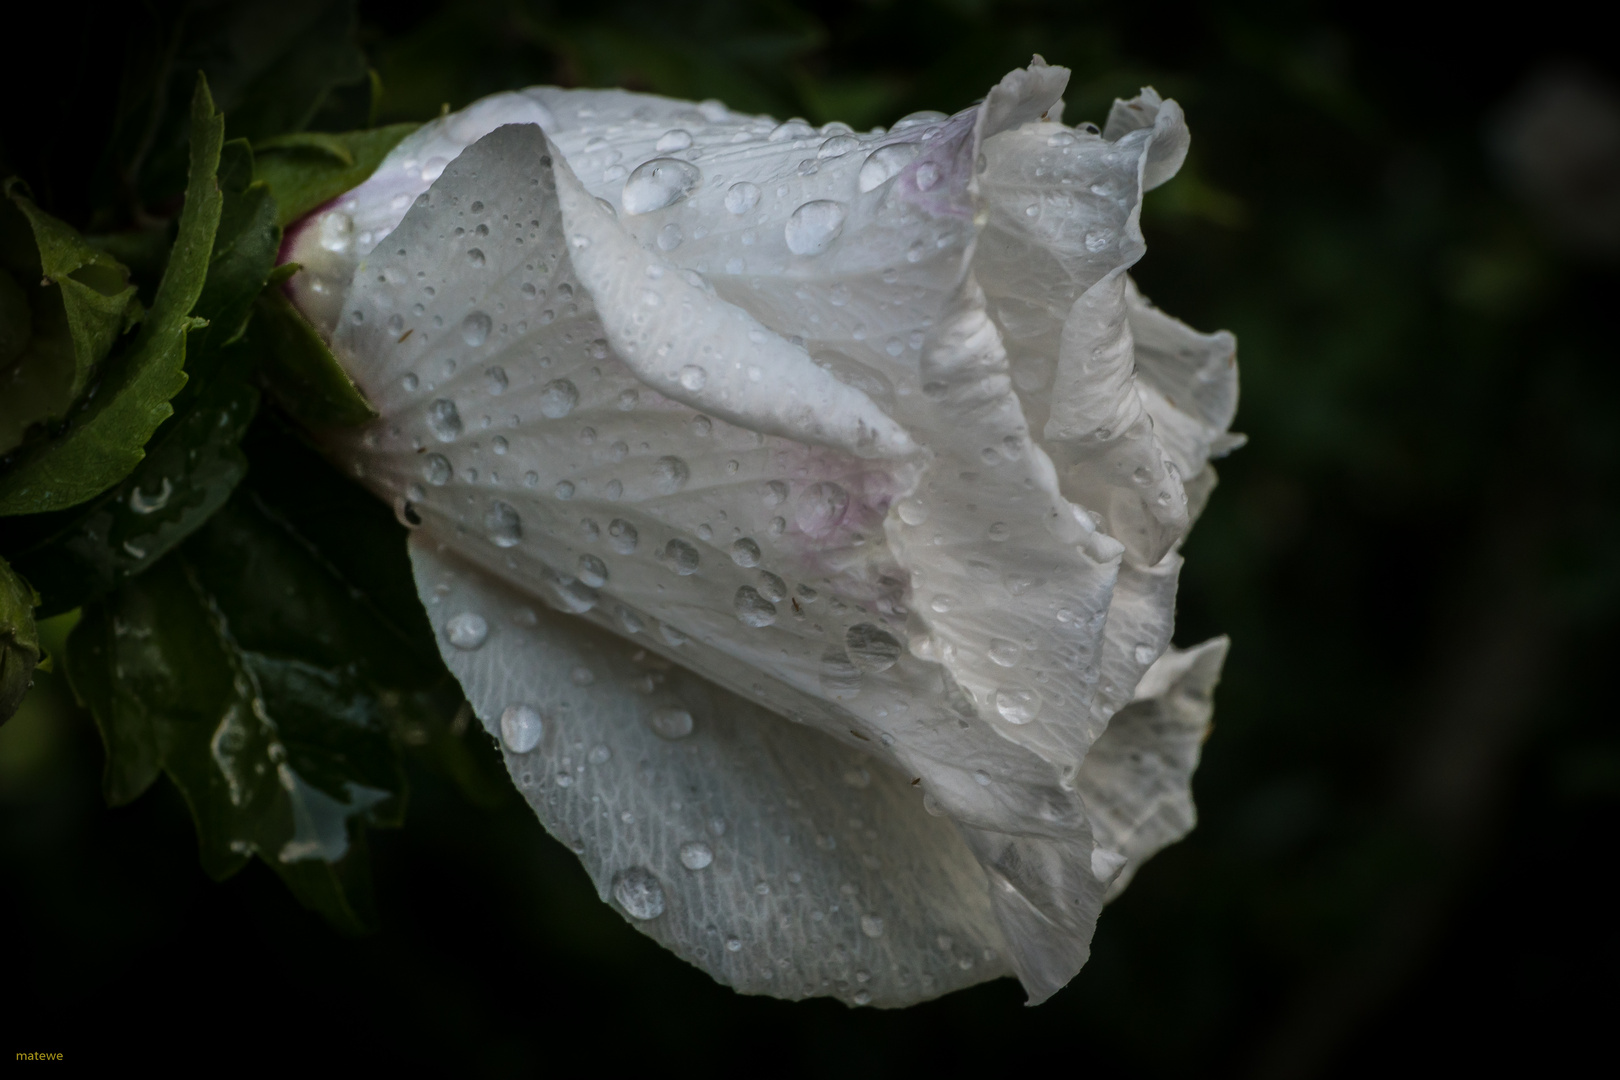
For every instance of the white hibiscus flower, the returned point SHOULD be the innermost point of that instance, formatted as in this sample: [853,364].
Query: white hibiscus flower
[799,508]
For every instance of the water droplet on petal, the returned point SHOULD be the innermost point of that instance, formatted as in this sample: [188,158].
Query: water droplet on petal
[1004,652]
[593,571]
[745,552]
[622,536]
[672,474]
[670,723]
[872,926]
[871,647]
[638,891]
[693,377]
[466,631]
[681,557]
[521,728]
[1143,653]
[742,197]
[752,608]
[837,146]
[884,164]
[912,511]
[475,328]
[999,531]
[558,398]
[658,183]
[503,525]
[696,855]
[436,470]
[1017,704]
[814,226]
[444,420]
[674,139]
[927,176]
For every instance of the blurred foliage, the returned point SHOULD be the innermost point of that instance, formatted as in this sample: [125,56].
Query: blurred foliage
[1415,770]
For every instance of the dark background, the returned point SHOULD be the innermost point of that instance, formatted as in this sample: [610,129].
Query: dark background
[1409,802]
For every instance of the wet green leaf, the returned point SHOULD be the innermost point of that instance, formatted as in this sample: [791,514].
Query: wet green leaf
[189,471]
[277,755]
[191,464]
[104,442]
[300,370]
[63,305]
[93,287]
[19,639]
[307,169]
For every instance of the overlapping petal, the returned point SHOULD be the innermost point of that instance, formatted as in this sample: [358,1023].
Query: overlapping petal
[759,403]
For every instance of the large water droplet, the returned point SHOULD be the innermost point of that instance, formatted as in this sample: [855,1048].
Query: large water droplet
[1143,653]
[593,571]
[745,552]
[444,420]
[1017,704]
[503,525]
[837,146]
[912,511]
[670,723]
[814,226]
[674,139]
[681,557]
[693,377]
[820,508]
[142,503]
[771,586]
[872,648]
[752,608]
[475,328]
[884,164]
[558,398]
[742,197]
[1004,652]
[658,183]
[637,890]
[696,855]
[622,536]
[672,474]
[436,470]
[467,630]
[840,678]
[521,728]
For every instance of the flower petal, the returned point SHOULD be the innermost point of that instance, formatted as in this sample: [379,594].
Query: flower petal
[330,243]
[772,857]
[1137,780]
[1187,382]
[694,347]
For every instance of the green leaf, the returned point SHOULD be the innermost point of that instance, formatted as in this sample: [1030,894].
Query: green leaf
[306,170]
[189,471]
[276,755]
[63,304]
[301,371]
[104,443]
[94,287]
[192,463]
[19,640]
